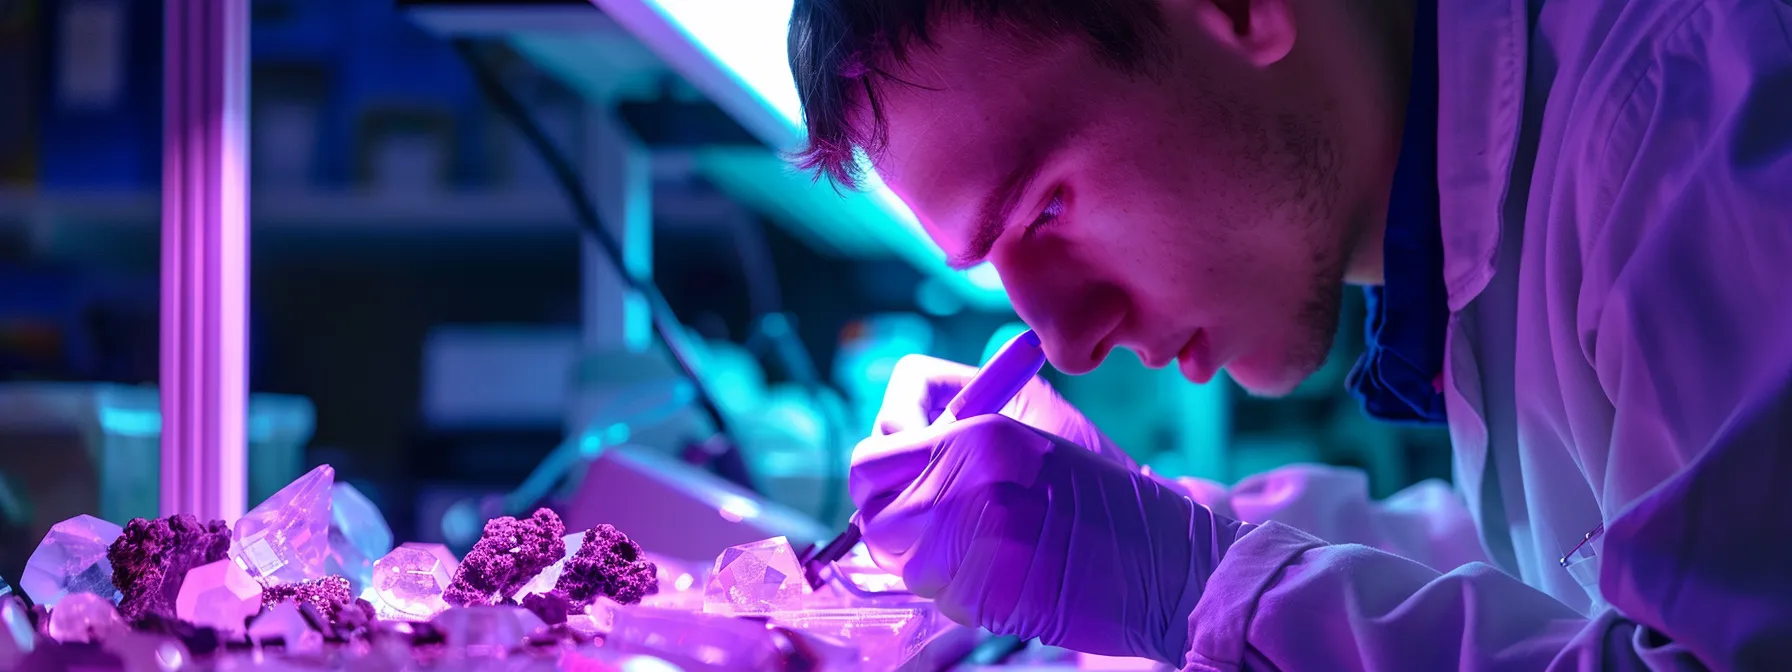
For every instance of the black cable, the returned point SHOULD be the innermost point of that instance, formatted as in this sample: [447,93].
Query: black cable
[764,295]
[665,324]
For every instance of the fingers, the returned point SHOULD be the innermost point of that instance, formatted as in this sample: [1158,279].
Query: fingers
[884,465]
[919,389]
[928,497]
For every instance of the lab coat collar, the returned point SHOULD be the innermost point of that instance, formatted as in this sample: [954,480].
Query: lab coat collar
[1481,61]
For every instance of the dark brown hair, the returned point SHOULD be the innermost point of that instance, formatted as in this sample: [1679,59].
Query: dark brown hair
[840,49]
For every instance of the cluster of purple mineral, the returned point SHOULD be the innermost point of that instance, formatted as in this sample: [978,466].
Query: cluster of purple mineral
[151,558]
[508,554]
[607,564]
[329,596]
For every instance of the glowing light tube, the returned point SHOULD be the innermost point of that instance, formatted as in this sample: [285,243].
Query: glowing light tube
[205,236]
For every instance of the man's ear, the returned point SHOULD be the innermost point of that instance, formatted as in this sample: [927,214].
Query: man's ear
[1260,31]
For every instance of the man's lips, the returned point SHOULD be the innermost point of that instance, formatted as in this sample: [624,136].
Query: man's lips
[1196,361]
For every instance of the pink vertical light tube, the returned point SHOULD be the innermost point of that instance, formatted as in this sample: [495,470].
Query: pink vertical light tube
[205,236]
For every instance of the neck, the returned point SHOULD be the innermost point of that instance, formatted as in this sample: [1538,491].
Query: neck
[1388,52]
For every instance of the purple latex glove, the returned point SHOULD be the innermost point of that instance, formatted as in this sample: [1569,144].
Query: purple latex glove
[921,386]
[1023,533]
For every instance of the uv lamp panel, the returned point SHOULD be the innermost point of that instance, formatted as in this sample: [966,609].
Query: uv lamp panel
[677,510]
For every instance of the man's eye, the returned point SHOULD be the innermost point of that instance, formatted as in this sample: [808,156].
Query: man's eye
[1053,209]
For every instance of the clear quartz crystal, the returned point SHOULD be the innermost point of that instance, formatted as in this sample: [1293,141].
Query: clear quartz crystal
[358,535]
[409,581]
[71,559]
[220,595]
[17,636]
[84,617]
[545,580]
[286,538]
[757,578]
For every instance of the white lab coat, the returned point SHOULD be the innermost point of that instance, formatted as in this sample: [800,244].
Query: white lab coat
[1616,193]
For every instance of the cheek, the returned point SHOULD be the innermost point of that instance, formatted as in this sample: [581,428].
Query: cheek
[1060,285]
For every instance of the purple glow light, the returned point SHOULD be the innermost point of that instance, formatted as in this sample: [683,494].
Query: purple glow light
[204,393]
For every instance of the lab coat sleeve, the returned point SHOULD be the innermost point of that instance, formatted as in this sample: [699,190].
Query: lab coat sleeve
[1686,317]
[1425,522]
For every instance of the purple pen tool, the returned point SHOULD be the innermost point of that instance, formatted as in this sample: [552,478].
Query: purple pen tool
[1002,377]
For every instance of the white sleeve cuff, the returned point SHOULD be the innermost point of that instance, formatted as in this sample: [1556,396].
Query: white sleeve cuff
[1218,626]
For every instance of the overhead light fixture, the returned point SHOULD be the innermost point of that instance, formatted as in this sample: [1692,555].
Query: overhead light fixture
[735,51]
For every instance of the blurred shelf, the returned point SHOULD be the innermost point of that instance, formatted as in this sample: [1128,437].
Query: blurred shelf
[521,211]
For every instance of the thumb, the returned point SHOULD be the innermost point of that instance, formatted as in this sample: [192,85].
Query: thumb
[920,388]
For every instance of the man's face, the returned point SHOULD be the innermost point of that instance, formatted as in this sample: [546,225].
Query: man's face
[1175,214]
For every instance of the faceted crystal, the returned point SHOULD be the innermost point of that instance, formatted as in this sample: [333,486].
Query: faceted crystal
[220,595]
[757,578]
[284,622]
[285,538]
[17,637]
[84,617]
[358,534]
[5,588]
[410,579]
[486,630]
[148,652]
[71,559]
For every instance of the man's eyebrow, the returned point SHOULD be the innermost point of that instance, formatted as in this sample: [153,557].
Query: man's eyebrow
[993,215]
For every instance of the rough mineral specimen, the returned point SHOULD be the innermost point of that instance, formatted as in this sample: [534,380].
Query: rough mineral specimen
[152,557]
[552,607]
[607,564]
[71,559]
[508,554]
[330,595]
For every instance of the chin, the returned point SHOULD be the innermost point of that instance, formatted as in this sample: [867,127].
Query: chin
[1271,381]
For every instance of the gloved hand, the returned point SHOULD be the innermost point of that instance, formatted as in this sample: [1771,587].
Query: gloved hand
[1023,533]
[921,386]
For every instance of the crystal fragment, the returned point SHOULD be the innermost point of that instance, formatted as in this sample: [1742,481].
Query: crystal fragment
[220,595]
[284,622]
[544,582]
[358,535]
[285,539]
[756,578]
[695,641]
[487,630]
[71,559]
[410,579]
[147,652]
[5,588]
[886,637]
[17,636]
[84,617]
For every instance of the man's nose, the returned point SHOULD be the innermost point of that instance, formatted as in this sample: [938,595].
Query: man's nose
[1074,320]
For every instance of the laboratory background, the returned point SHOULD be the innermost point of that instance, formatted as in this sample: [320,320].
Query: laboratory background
[356,277]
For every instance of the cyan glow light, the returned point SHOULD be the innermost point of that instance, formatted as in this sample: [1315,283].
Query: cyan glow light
[745,41]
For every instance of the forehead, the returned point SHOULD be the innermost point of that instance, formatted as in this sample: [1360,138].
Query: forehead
[968,110]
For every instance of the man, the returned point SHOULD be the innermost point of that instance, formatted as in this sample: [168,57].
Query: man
[1575,221]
